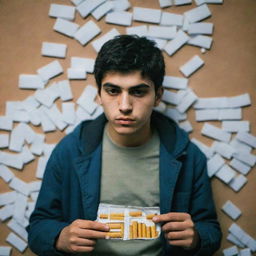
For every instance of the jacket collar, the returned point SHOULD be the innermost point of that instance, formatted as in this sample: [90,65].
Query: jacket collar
[173,138]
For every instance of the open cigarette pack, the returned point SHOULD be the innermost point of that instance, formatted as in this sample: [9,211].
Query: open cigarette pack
[129,222]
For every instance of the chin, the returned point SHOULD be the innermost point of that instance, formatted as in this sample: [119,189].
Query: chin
[125,130]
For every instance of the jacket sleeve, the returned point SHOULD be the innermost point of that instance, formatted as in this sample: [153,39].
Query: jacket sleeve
[46,221]
[203,210]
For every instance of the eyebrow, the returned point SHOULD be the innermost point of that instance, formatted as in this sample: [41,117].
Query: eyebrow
[138,86]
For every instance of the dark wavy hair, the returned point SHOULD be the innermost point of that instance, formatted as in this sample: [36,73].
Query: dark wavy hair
[127,53]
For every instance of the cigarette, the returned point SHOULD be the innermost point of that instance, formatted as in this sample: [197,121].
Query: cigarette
[119,214]
[139,230]
[116,217]
[148,235]
[136,214]
[144,232]
[150,216]
[122,229]
[103,216]
[114,225]
[153,231]
[130,232]
[135,229]
[114,234]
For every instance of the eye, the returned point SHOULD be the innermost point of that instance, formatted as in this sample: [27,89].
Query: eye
[112,91]
[138,92]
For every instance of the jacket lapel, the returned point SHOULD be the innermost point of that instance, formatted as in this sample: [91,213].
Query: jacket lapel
[89,173]
[168,175]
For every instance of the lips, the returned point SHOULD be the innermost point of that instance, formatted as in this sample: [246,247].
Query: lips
[125,121]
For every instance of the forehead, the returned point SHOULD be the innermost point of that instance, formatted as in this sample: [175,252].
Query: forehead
[125,80]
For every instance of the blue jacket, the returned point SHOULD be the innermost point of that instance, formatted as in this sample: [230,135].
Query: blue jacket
[71,186]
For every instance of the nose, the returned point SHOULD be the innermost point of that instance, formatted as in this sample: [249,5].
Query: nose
[125,104]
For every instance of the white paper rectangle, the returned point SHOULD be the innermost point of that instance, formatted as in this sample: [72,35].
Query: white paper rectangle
[186,125]
[137,30]
[223,149]
[54,50]
[215,133]
[62,11]
[236,126]
[30,82]
[50,70]
[191,66]
[86,100]
[120,5]
[68,112]
[171,19]
[65,27]
[20,206]
[201,41]
[5,173]
[6,212]
[187,101]
[76,74]
[7,198]
[86,64]
[245,252]
[173,82]
[87,6]
[231,238]
[240,146]
[231,210]
[199,13]
[119,18]
[97,44]
[163,32]
[18,229]
[246,158]
[5,250]
[11,160]
[218,114]
[180,39]
[238,182]
[225,173]
[30,103]
[171,97]
[16,242]
[165,3]
[4,140]
[233,250]
[55,116]
[240,166]
[247,138]
[65,90]
[26,155]
[42,161]
[182,2]
[214,164]
[160,43]
[146,15]
[20,186]
[200,28]
[102,10]
[87,32]
[6,123]
[37,145]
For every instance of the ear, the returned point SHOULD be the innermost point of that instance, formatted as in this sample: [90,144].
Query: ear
[159,95]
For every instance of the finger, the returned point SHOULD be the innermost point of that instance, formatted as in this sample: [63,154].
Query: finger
[88,224]
[181,235]
[171,216]
[83,242]
[174,226]
[79,249]
[182,243]
[91,234]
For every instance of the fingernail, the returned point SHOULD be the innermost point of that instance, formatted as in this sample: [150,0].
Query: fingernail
[107,237]
[155,218]
[107,227]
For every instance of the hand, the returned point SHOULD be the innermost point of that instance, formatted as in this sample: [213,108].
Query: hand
[179,229]
[80,236]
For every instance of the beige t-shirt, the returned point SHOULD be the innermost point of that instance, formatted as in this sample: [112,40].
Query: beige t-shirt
[130,176]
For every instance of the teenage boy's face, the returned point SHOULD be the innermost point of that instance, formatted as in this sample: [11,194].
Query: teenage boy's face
[128,100]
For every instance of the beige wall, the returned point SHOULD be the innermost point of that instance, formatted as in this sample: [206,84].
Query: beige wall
[229,70]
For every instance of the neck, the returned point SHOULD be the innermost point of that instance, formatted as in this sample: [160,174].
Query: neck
[131,140]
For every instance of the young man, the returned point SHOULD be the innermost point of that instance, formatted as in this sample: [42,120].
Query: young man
[130,155]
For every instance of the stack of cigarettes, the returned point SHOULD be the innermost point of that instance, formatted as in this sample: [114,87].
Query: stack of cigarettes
[129,222]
